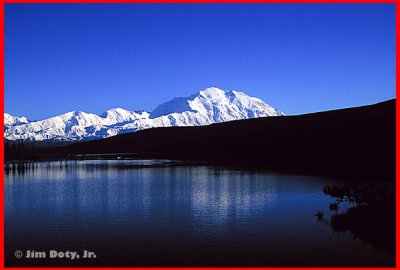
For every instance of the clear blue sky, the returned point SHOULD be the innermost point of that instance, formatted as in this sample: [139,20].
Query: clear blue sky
[298,58]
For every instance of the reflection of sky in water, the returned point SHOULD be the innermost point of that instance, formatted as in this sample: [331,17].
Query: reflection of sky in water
[114,204]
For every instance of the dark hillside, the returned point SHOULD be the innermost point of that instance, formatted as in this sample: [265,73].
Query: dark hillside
[358,143]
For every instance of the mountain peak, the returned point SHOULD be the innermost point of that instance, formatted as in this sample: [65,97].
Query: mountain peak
[208,106]
[114,111]
[212,93]
[211,90]
[10,120]
[118,109]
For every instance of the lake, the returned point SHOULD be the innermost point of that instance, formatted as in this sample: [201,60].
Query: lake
[158,213]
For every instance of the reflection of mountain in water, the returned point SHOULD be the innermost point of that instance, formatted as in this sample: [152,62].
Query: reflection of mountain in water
[228,195]
[154,213]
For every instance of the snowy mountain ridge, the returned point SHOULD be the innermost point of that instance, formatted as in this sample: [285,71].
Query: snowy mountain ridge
[211,105]
[10,120]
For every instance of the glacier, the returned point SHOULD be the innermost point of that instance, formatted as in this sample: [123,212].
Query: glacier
[208,106]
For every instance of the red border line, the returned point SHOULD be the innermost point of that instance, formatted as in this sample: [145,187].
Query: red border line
[397,133]
[2,135]
[198,2]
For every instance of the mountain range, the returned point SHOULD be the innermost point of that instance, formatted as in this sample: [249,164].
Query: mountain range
[209,106]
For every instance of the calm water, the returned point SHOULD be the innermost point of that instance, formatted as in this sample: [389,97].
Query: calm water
[133,215]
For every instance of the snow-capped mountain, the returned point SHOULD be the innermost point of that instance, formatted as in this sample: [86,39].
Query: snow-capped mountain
[211,105]
[10,120]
